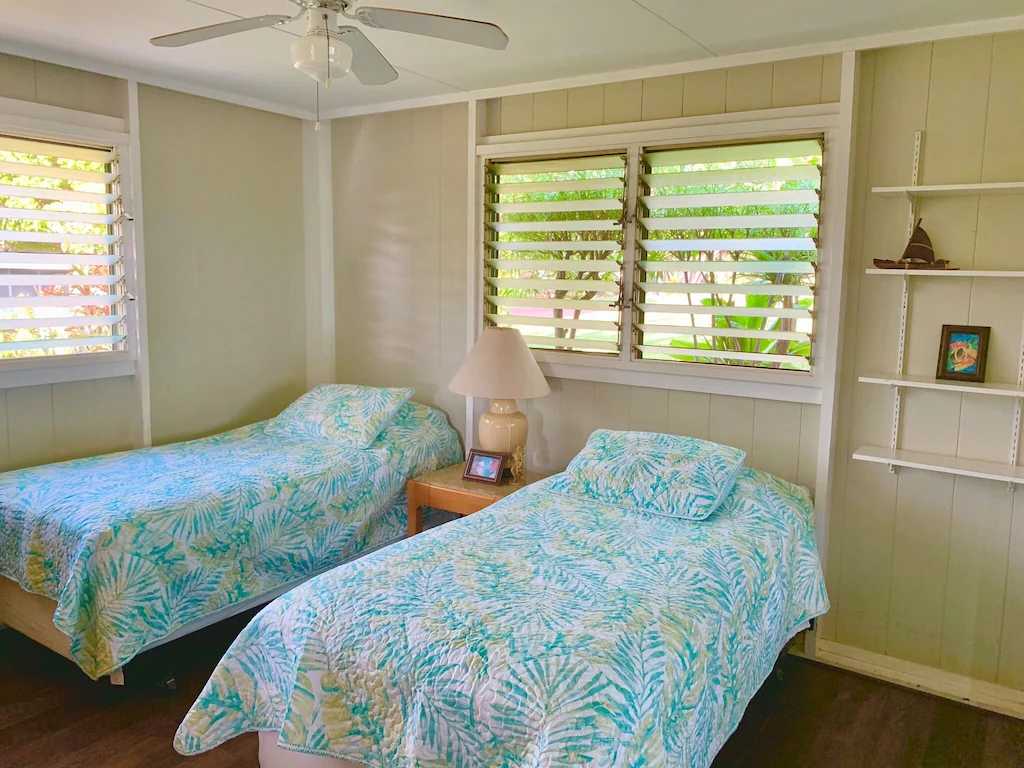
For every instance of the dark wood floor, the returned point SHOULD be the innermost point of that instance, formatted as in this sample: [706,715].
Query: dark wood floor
[51,715]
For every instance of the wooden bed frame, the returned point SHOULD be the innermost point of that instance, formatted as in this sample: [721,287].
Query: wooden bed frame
[32,616]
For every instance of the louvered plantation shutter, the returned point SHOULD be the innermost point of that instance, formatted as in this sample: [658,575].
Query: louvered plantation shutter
[553,255]
[61,289]
[728,254]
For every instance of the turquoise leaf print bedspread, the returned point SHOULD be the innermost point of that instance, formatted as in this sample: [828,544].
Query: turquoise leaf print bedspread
[134,546]
[548,630]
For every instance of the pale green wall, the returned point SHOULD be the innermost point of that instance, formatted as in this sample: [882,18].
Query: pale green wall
[400,241]
[225,262]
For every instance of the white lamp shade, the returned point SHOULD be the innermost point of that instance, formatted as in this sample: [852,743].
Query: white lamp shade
[500,366]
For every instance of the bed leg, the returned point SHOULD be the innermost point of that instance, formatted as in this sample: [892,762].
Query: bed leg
[117,677]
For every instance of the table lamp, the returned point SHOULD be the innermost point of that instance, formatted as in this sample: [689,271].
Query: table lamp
[501,367]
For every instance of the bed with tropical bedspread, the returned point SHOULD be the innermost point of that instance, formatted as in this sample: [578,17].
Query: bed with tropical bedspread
[135,546]
[580,621]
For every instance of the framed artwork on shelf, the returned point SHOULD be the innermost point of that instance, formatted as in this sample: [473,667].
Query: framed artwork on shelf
[963,353]
[485,467]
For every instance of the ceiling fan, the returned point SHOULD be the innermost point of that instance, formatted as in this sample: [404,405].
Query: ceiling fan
[318,54]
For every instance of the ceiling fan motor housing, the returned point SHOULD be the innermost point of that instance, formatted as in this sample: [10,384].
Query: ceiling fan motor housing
[320,53]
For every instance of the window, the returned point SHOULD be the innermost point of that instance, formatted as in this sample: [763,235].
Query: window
[728,253]
[554,251]
[62,289]
[718,267]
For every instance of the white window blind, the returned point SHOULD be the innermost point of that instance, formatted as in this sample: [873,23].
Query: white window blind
[553,250]
[61,276]
[728,254]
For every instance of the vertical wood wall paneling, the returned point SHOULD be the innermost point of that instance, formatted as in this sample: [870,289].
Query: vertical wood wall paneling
[623,102]
[704,92]
[998,247]
[73,417]
[578,418]
[1010,671]
[492,117]
[853,282]
[976,585]
[930,566]
[400,249]
[425,254]
[954,141]
[898,108]
[689,413]
[776,440]
[732,422]
[517,114]
[831,79]
[749,88]
[30,433]
[611,406]
[543,449]
[17,78]
[662,97]
[550,110]
[5,451]
[648,409]
[807,461]
[797,82]
[57,86]
[453,231]
[585,106]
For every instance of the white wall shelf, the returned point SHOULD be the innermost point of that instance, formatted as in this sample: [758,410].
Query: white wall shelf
[924,382]
[894,456]
[949,465]
[951,190]
[946,272]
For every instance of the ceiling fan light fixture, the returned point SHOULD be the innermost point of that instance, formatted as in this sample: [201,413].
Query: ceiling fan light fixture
[321,57]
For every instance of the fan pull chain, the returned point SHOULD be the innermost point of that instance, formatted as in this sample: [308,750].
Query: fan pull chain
[327,31]
[317,126]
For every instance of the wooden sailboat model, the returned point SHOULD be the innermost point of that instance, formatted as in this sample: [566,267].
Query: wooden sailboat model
[919,254]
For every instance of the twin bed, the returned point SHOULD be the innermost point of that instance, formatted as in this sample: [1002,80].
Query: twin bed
[104,558]
[551,629]
[581,621]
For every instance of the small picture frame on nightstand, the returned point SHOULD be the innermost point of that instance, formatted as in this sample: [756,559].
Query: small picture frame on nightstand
[485,467]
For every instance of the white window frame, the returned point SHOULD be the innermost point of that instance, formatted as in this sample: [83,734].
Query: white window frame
[769,124]
[46,123]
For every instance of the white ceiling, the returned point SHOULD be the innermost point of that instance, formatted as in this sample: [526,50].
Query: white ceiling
[550,39]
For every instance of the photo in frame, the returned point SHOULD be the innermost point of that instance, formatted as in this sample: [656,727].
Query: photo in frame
[485,467]
[963,353]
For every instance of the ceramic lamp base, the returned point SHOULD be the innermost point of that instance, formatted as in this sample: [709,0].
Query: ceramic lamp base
[503,428]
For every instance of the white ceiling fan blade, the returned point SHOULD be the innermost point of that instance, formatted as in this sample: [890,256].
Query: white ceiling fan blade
[368,64]
[445,27]
[200,34]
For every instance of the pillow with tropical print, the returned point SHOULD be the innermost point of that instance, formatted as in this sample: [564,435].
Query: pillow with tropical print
[668,475]
[347,413]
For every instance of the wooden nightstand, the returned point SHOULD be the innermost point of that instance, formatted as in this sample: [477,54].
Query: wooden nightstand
[445,489]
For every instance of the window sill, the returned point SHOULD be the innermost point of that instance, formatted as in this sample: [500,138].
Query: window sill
[30,372]
[790,387]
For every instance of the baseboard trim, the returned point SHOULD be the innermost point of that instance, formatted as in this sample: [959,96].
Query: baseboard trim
[997,698]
